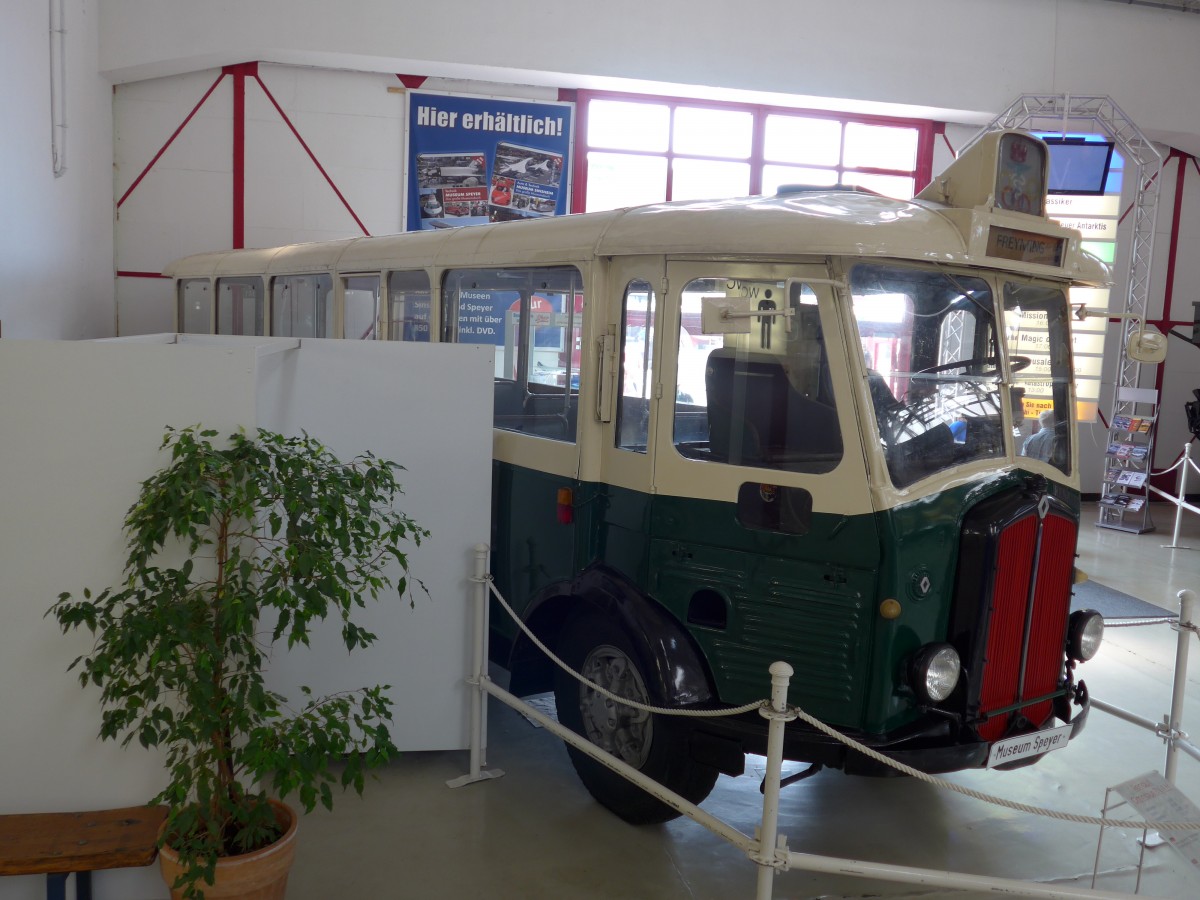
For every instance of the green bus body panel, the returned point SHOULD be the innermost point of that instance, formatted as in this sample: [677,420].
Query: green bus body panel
[809,600]
[923,542]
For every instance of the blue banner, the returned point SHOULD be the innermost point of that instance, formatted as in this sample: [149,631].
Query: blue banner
[474,160]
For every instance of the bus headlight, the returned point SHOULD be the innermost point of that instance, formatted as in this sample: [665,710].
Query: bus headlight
[935,671]
[1085,631]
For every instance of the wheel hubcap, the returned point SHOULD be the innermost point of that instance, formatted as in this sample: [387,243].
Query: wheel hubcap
[621,730]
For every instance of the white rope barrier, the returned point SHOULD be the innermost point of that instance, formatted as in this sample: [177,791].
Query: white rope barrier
[848,741]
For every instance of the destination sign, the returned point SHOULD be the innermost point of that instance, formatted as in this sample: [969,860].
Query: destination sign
[1024,246]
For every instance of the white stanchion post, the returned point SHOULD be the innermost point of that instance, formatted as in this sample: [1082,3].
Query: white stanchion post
[478,711]
[1183,475]
[1175,723]
[768,861]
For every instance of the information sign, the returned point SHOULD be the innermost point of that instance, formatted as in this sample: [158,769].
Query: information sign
[1157,800]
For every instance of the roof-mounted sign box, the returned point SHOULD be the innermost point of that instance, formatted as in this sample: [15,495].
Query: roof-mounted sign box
[1004,169]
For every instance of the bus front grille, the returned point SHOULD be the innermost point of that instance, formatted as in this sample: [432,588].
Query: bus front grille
[1011,633]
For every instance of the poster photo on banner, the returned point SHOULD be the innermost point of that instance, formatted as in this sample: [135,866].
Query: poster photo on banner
[480,159]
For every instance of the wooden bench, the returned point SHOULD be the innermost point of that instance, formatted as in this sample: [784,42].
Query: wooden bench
[59,844]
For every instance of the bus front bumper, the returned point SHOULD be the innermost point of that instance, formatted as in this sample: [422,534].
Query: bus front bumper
[928,745]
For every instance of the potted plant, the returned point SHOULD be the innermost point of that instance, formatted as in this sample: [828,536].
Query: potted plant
[233,548]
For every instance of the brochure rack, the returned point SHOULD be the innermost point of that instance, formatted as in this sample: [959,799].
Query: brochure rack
[1124,498]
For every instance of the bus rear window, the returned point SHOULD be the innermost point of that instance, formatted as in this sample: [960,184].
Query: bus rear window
[195,306]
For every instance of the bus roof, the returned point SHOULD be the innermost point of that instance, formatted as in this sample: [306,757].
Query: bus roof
[799,222]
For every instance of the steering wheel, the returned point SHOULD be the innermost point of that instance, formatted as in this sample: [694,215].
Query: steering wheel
[1016,363]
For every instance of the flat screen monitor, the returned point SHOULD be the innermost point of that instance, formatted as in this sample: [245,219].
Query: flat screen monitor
[1078,166]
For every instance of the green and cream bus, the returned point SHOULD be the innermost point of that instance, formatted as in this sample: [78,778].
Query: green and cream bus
[739,431]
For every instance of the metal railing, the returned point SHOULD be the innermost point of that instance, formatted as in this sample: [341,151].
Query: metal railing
[768,849]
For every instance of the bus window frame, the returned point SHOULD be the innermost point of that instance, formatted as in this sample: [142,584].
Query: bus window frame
[844,487]
[260,311]
[181,286]
[343,285]
[432,291]
[330,319]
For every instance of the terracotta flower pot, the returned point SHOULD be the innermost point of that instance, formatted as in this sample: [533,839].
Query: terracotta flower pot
[261,875]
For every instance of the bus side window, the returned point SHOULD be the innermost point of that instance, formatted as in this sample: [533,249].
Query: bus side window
[409,309]
[533,318]
[302,306]
[195,306]
[360,307]
[240,306]
[637,368]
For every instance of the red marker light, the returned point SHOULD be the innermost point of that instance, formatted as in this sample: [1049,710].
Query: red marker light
[566,506]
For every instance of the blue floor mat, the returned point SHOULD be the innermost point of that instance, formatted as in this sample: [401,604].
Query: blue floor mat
[1113,604]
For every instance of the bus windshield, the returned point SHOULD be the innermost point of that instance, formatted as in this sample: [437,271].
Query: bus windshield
[930,347]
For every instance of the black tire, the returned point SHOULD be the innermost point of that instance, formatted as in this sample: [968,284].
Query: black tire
[655,745]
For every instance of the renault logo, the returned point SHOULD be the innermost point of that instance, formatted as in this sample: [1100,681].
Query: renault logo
[1043,506]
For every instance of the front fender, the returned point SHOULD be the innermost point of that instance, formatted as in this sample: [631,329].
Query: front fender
[668,656]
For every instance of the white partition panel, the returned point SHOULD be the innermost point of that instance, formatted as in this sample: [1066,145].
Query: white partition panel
[80,426]
[429,408]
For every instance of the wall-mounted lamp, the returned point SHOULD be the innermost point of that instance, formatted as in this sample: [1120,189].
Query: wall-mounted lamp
[1146,345]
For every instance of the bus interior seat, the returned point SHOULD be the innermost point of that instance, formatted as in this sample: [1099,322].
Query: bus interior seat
[508,404]
[757,417]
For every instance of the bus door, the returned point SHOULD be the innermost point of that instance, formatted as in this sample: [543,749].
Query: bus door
[627,408]
[763,539]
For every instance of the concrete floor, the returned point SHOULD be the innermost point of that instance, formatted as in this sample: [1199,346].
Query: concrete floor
[536,833]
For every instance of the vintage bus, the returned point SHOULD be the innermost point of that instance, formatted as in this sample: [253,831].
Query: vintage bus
[739,431]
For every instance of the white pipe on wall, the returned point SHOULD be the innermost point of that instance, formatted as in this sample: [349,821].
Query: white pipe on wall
[58,86]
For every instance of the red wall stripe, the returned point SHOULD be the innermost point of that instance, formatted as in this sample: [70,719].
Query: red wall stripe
[238,239]
[311,155]
[174,135]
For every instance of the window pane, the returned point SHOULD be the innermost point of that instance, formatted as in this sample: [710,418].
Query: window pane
[533,318]
[361,301]
[637,367]
[628,126]
[880,147]
[713,132]
[1033,314]
[889,185]
[795,139]
[616,179]
[775,176]
[763,399]
[931,367]
[409,307]
[302,306]
[195,306]
[702,179]
[239,306]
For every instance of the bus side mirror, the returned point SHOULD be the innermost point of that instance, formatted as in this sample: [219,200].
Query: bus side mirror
[1147,345]
[725,315]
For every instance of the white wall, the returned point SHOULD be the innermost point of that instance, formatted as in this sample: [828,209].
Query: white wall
[56,234]
[965,55]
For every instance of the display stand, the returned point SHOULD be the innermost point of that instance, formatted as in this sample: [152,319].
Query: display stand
[1124,498]
[1143,842]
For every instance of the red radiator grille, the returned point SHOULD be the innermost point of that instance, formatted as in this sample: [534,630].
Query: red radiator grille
[1002,659]
[1051,607]
[1015,560]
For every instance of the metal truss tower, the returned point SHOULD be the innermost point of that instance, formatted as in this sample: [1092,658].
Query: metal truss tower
[1144,163]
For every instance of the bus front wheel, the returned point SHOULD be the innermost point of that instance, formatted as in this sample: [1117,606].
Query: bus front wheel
[655,745]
